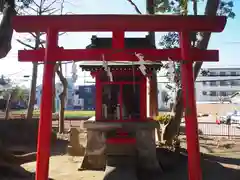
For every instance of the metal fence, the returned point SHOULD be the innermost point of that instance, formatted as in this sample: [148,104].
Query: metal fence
[205,128]
[218,130]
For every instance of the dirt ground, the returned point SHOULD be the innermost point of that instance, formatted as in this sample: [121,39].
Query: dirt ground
[63,167]
[214,167]
[225,164]
[220,165]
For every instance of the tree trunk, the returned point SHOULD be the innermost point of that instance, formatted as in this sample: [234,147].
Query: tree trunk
[6,30]
[53,99]
[31,101]
[8,106]
[153,81]
[62,97]
[54,92]
[61,112]
[172,128]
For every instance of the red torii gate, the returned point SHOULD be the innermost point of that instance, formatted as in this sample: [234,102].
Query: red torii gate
[118,24]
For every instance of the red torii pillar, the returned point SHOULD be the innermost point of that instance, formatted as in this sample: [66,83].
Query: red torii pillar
[54,24]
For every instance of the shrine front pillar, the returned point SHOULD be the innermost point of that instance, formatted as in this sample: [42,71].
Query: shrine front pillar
[153,95]
[98,106]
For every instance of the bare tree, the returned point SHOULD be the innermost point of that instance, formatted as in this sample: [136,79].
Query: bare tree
[37,40]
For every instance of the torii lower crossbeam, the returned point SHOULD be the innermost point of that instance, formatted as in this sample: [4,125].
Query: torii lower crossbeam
[118,24]
[118,55]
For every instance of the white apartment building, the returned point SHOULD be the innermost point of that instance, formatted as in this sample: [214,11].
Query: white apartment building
[221,82]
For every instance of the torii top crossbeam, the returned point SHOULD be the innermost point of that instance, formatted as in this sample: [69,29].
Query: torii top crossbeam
[116,23]
[162,23]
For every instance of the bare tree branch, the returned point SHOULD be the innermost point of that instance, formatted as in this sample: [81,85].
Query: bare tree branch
[23,12]
[195,7]
[33,34]
[42,3]
[36,4]
[54,10]
[35,10]
[61,12]
[135,6]
[62,6]
[47,8]
[40,11]
[62,33]
[25,44]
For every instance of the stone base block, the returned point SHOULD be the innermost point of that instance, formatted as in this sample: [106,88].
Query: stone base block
[75,151]
[94,158]
[93,162]
[121,149]
[146,149]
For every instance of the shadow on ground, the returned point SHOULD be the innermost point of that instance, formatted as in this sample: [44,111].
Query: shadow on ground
[175,166]
[11,171]
[19,137]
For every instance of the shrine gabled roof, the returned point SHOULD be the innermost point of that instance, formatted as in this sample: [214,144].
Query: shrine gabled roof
[117,65]
[135,43]
[143,42]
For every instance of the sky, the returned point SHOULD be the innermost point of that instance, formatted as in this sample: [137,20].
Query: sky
[225,42]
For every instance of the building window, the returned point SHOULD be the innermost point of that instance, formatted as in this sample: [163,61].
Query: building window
[222,73]
[233,73]
[204,83]
[213,83]
[230,93]
[213,93]
[69,101]
[223,93]
[223,83]
[235,83]
[213,73]
[204,93]
[90,101]
[87,89]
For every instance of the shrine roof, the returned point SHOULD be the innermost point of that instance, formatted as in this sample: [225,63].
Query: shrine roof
[142,42]
[117,65]
[135,43]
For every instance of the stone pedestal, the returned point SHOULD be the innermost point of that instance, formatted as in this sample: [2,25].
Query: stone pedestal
[94,158]
[146,150]
[75,148]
